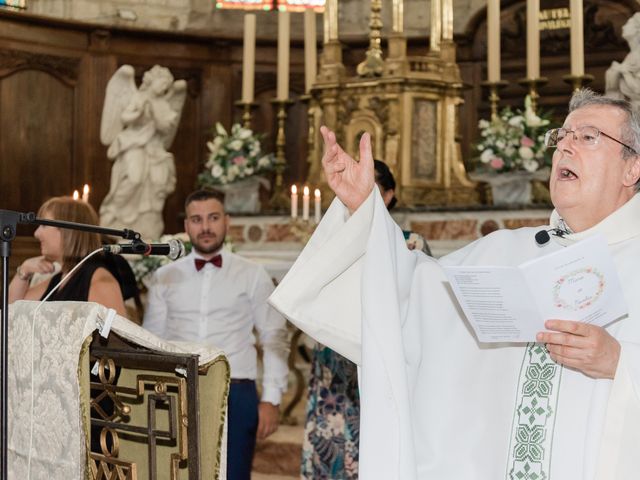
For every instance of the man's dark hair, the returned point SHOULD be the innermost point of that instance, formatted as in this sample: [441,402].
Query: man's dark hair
[385,179]
[204,194]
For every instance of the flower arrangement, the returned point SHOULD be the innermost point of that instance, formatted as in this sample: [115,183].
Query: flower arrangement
[144,266]
[514,141]
[234,157]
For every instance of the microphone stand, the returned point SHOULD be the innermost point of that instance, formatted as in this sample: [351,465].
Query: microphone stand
[8,224]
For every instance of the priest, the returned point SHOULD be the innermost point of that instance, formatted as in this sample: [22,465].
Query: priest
[438,404]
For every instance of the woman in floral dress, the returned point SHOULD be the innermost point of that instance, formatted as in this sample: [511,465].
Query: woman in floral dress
[332,429]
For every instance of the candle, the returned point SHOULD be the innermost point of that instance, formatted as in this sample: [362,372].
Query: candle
[316,205]
[330,20]
[85,193]
[76,195]
[577,39]
[533,39]
[493,41]
[310,49]
[397,20]
[305,203]
[294,201]
[283,56]
[248,57]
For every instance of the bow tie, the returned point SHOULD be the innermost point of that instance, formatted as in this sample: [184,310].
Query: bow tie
[216,261]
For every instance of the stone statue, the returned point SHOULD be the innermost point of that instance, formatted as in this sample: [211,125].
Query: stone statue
[622,80]
[139,125]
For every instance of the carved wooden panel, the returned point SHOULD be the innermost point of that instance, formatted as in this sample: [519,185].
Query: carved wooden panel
[36,138]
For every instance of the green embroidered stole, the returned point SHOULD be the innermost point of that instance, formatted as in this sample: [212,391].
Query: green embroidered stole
[534,416]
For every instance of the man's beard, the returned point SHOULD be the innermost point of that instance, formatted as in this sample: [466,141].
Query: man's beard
[205,250]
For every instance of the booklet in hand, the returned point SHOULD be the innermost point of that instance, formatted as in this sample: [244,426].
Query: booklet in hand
[511,304]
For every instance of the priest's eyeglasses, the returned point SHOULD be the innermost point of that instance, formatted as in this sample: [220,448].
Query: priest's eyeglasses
[585,136]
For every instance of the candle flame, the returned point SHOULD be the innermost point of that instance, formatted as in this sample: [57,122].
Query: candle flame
[316,193]
[294,189]
[85,189]
[305,191]
[76,195]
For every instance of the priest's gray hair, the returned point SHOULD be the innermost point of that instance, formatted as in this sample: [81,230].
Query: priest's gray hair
[630,132]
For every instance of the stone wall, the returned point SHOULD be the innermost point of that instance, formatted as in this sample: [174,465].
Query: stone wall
[201,15]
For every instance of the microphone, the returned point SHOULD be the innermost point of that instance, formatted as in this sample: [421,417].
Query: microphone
[542,237]
[173,249]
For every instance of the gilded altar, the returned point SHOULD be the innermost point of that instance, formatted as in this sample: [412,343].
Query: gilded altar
[408,104]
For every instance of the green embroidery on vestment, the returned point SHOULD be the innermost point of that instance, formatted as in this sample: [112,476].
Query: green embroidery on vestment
[534,416]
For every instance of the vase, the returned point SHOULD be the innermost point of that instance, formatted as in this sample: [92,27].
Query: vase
[511,188]
[243,196]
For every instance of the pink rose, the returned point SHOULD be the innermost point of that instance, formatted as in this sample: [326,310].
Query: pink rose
[239,160]
[496,163]
[527,142]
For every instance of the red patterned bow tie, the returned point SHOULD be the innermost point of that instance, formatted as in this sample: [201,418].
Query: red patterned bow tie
[200,263]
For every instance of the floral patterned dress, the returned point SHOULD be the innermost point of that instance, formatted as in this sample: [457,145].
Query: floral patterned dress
[332,429]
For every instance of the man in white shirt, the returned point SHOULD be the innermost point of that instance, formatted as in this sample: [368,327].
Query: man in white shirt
[215,297]
[435,402]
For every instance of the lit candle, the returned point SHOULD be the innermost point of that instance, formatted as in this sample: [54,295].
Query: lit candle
[310,49]
[305,203]
[76,195]
[533,39]
[248,57]
[493,41]
[294,201]
[85,193]
[283,56]
[577,39]
[316,205]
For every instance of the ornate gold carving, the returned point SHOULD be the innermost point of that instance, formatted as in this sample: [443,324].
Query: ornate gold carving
[373,65]
[105,468]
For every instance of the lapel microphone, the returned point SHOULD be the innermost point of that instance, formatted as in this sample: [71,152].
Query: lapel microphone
[543,237]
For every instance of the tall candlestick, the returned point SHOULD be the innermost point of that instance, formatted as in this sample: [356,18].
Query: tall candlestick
[85,193]
[577,39]
[283,56]
[330,21]
[310,49]
[294,201]
[493,41]
[533,39]
[305,203]
[76,195]
[248,57]
[316,205]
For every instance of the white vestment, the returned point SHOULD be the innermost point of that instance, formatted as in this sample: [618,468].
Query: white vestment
[436,404]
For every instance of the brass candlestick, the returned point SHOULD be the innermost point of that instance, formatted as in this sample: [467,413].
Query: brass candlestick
[373,65]
[279,199]
[577,81]
[532,85]
[246,107]
[494,98]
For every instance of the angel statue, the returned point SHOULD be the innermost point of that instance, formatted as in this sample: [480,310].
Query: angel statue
[139,125]
[622,80]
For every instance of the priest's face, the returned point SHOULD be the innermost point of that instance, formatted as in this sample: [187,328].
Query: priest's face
[590,181]
[206,224]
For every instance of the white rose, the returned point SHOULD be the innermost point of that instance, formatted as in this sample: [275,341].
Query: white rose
[235,145]
[530,165]
[486,156]
[248,171]
[500,144]
[217,171]
[482,124]
[516,120]
[264,162]
[525,153]
[244,133]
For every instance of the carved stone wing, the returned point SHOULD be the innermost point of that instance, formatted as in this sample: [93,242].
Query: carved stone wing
[176,98]
[120,89]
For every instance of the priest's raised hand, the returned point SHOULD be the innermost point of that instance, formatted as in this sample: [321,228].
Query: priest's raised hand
[352,181]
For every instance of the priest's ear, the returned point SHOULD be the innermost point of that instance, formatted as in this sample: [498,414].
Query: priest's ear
[632,173]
